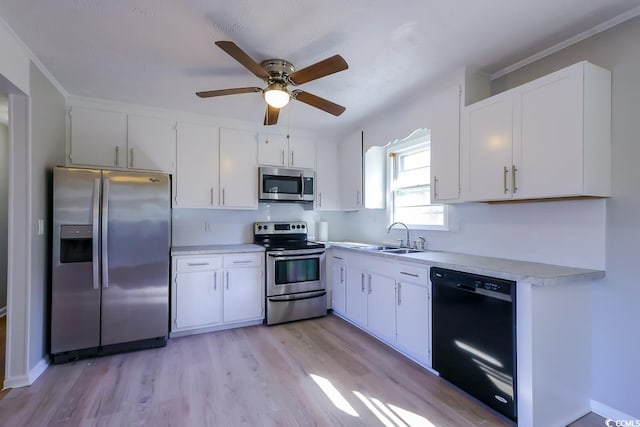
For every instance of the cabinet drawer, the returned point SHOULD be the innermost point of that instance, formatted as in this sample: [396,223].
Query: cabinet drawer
[198,264]
[243,260]
[413,274]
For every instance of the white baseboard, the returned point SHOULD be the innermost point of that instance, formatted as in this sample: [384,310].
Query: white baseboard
[37,370]
[30,378]
[609,412]
[3,311]
[16,382]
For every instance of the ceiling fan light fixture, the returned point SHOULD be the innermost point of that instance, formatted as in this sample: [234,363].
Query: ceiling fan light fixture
[276,95]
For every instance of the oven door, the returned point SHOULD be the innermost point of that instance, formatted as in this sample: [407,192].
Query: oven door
[294,271]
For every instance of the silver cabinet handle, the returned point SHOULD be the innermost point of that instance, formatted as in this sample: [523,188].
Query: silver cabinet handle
[105,233]
[282,157]
[131,158]
[341,274]
[292,158]
[319,200]
[117,152]
[337,257]
[399,289]
[211,196]
[362,283]
[370,283]
[96,233]
[435,187]
[227,280]
[215,280]
[242,262]
[223,197]
[357,197]
[513,178]
[505,172]
[196,264]
[409,274]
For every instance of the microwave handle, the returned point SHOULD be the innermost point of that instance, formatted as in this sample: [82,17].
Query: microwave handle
[302,186]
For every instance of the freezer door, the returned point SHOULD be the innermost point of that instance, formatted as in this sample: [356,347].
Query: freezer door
[75,286]
[135,256]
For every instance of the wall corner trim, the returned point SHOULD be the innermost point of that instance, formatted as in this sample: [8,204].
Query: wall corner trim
[609,412]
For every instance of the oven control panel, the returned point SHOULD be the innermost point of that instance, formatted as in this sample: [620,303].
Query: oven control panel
[285,227]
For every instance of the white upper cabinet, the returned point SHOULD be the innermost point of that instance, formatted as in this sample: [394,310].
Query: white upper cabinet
[116,140]
[280,150]
[350,172]
[197,172]
[489,133]
[98,138]
[545,139]
[238,169]
[445,147]
[327,197]
[152,143]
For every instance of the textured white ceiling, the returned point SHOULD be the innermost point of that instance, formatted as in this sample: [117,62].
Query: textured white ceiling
[160,52]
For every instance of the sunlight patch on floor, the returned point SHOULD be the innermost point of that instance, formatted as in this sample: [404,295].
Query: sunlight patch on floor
[334,395]
[391,415]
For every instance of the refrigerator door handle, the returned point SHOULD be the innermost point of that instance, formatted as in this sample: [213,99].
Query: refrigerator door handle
[95,231]
[105,233]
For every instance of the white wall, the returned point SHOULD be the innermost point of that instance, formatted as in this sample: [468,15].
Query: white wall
[4,201]
[616,301]
[48,150]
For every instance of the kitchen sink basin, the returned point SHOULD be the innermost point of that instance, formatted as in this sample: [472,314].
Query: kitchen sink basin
[400,251]
[378,248]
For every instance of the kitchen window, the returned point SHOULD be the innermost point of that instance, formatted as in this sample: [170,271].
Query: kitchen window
[409,183]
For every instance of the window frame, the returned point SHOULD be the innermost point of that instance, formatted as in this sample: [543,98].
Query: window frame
[414,142]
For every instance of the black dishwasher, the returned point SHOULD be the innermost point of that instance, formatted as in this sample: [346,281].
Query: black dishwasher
[474,336]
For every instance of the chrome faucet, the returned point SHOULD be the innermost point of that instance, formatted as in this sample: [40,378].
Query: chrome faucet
[405,226]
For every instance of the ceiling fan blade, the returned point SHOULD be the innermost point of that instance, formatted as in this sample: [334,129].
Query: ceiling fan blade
[319,69]
[271,116]
[221,92]
[239,55]
[316,101]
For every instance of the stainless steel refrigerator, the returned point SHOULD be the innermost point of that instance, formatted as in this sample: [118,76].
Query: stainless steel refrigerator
[111,255]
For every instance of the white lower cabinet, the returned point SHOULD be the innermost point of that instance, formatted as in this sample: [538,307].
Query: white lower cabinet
[413,321]
[338,282]
[356,296]
[392,301]
[211,292]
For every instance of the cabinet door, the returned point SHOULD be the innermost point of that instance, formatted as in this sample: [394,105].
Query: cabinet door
[326,178]
[489,139]
[445,147]
[414,321]
[272,150]
[198,157]
[198,299]
[238,169]
[152,143]
[338,289]
[350,172]
[98,138]
[302,153]
[381,310]
[356,296]
[548,144]
[243,296]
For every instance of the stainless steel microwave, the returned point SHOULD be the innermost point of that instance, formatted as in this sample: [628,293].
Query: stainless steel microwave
[286,185]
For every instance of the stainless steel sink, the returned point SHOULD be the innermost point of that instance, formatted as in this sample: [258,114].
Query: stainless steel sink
[400,251]
[378,248]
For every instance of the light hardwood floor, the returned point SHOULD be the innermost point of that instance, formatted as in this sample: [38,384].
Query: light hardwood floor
[272,376]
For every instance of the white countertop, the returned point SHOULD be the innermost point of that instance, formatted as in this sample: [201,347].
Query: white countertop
[215,249]
[520,271]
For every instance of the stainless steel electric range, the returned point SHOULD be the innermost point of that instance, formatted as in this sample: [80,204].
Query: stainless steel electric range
[295,283]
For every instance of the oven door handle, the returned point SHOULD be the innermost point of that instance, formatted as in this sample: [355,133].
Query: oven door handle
[281,255]
[307,295]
